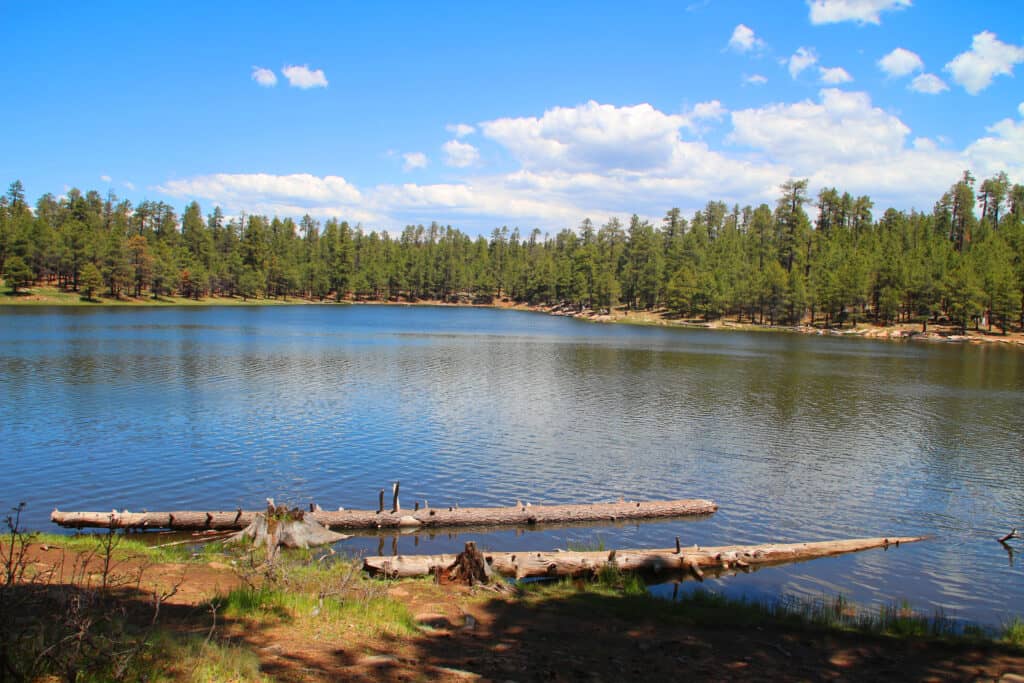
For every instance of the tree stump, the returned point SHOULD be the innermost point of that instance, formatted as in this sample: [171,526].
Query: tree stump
[289,528]
[470,567]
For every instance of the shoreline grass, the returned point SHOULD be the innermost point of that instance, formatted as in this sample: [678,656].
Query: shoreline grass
[707,609]
[45,295]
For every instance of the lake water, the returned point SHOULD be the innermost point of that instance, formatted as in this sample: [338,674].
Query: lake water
[797,438]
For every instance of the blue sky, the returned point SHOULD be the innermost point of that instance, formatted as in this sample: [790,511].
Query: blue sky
[520,114]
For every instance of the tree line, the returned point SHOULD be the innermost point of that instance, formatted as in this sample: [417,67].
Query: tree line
[826,258]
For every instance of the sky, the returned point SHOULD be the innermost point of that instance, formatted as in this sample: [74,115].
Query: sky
[525,114]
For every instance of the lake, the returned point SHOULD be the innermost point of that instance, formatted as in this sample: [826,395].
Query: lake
[797,438]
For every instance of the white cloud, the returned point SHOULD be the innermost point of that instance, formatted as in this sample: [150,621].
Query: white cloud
[834,75]
[304,77]
[860,11]
[105,178]
[264,77]
[755,79]
[1001,151]
[414,160]
[709,110]
[460,154]
[900,62]
[460,130]
[988,57]
[928,84]
[744,40]
[803,58]
[589,136]
[236,189]
[840,127]
[1020,108]
[128,184]
[601,160]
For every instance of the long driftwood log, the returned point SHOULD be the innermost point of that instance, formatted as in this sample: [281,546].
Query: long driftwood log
[423,517]
[693,560]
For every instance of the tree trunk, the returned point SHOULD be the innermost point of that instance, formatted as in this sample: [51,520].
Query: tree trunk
[524,564]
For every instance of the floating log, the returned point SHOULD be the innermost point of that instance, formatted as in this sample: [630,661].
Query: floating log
[520,515]
[693,559]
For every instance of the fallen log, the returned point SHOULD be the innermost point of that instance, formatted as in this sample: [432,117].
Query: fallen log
[424,517]
[694,559]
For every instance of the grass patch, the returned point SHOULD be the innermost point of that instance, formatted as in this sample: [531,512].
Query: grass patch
[707,609]
[1013,632]
[126,546]
[171,657]
[328,595]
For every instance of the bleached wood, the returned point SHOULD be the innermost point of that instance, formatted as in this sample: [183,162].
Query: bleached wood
[526,564]
[191,520]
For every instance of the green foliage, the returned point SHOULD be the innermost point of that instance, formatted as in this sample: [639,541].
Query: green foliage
[91,280]
[17,274]
[764,265]
[1013,632]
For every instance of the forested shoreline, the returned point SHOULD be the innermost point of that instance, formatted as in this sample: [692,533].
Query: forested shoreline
[827,259]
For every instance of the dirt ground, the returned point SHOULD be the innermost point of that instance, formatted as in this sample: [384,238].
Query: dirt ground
[481,634]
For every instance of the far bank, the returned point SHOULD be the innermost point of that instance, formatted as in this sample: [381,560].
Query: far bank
[935,332]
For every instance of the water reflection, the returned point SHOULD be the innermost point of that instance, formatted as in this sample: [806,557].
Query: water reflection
[797,438]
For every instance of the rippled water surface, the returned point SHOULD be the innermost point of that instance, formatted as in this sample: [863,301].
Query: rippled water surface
[797,438]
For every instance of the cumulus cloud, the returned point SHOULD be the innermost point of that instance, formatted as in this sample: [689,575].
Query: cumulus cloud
[460,130]
[834,75]
[105,178]
[900,62]
[988,57]
[755,79]
[744,40]
[236,189]
[1003,150]
[860,11]
[265,77]
[304,77]
[928,84]
[803,58]
[708,110]
[413,160]
[840,127]
[590,136]
[460,154]
[601,160]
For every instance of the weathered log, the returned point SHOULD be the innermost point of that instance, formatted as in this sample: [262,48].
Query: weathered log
[694,559]
[424,517]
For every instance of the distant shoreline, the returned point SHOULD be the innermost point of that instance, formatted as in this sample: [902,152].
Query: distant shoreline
[52,296]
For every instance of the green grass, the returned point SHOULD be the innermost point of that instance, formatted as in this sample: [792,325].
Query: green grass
[366,612]
[172,657]
[707,609]
[127,546]
[1013,632]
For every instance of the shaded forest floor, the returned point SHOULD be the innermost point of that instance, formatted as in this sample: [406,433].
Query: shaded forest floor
[319,622]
